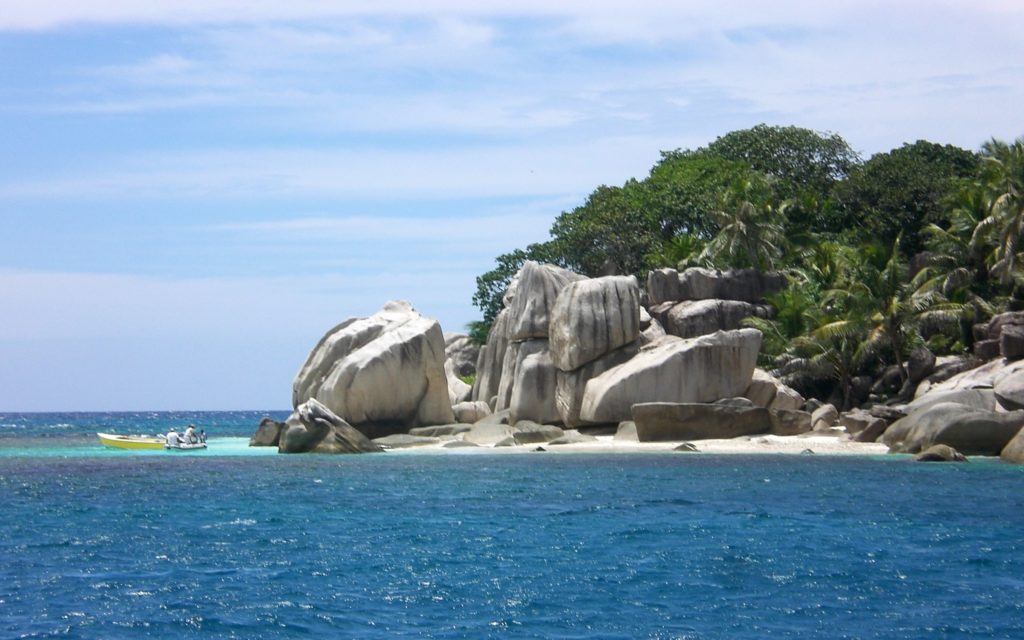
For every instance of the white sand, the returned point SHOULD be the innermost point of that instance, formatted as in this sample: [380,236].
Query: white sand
[766,444]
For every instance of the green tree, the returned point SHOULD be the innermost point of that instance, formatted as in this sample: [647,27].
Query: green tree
[609,233]
[1003,177]
[684,189]
[681,252]
[793,316]
[750,230]
[956,276]
[491,286]
[802,162]
[899,192]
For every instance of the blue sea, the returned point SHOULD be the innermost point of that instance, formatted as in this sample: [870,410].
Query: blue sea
[244,543]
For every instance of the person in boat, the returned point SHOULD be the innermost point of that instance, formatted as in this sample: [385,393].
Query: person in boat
[190,435]
[202,436]
[173,439]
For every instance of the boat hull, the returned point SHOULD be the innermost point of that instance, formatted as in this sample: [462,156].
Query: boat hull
[186,447]
[131,442]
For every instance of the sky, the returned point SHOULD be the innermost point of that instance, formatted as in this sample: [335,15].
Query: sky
[193,192]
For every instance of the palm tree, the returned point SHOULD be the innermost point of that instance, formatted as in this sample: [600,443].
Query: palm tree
[869,313]
[792,316]
[956,282]
[680,252]
[835,347]
[750,229]
[1003,174]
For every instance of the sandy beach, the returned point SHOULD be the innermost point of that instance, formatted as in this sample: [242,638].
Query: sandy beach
[766,444]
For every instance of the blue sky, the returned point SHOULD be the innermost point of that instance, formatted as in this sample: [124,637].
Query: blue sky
[192,192]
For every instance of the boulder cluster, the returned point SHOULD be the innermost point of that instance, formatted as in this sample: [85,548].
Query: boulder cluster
[570,357]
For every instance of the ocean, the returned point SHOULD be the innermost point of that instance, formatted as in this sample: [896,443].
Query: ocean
[244,543]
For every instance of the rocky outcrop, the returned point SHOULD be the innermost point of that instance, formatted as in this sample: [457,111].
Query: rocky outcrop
[824,417]
[1011,342]
[483,433]
[765,390]
[626,432]
[857,421]
[533,394]
[572,437]
[1008,387]
[591,318]
[789,422]
[920,364]
[463,353]
[268,433]
[940,453]
[532,433]
[405,441]
[532,297]
[747,285]
[694,318]
[491,359]
[441,430]
[663,286]
[980,398]
[515,353]
[786,399]
[458,390]
[383,374]
[702,369]
[1014,449]
[470,412]
[666,421]
[968,430]
[313,428]
[570,385]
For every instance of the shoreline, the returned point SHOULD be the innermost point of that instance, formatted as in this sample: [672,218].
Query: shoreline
[760,445]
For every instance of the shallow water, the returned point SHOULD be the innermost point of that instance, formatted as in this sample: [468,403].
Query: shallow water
[249,545]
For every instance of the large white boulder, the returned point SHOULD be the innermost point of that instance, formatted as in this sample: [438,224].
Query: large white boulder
[969,430]
[313,428]
[694,318]
[491,359]
[593,317]
[663,286]
[515,353]
[748,285]
[383,374]
[704,369]
[530,301]
[570,385]
[533,395]
[767,391]
[458,389]
[463,352]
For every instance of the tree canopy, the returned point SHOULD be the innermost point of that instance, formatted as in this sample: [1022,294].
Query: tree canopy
[801,161]
[900,192]
[847,232]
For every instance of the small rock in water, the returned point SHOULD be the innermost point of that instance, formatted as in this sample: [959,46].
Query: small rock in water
[540,449]
[807,452]
[940,453]
[687,446]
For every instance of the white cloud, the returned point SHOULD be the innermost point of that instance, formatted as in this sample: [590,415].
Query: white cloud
[65,305]
[514,170]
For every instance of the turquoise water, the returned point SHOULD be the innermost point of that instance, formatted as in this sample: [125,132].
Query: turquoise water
[241,544]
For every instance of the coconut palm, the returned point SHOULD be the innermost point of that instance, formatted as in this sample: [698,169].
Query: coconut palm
[750,229]
[869,314]
[955,281]
[792,316]
[681,252]
[1003,174]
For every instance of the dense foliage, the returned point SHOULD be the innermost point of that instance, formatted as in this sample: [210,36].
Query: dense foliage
[910,247]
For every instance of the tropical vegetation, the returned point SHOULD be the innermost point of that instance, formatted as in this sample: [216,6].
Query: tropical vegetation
[910,247]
